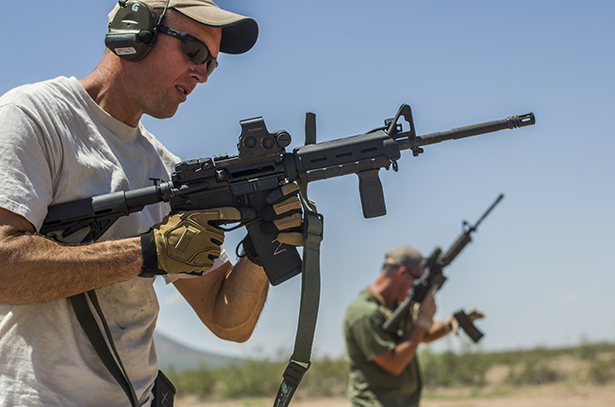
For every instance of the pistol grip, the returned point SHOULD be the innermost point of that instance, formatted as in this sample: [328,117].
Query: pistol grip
[372,196]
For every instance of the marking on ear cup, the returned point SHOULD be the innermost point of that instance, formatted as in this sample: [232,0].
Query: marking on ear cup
[125,51]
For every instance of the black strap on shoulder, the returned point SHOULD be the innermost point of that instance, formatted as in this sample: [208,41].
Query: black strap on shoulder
[92,330]
[310,289]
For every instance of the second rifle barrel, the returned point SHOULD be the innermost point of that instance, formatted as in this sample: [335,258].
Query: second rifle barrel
[467,131]
[499,198]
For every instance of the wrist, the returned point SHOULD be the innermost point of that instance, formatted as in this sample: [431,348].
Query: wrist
[423,323]
[149,267]
[448,324]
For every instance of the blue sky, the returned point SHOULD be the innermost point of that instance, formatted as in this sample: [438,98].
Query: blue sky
[540,265]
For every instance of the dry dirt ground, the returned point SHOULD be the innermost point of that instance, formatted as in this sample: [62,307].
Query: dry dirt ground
[557,395]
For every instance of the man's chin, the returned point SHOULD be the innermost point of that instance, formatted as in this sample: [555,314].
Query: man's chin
[166,114]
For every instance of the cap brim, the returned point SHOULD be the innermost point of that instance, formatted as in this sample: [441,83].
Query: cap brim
[239,33]
[239,37]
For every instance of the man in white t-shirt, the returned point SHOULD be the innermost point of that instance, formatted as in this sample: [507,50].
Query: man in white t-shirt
[66,139]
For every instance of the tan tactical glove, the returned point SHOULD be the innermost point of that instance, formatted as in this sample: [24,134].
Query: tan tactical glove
[283,217]
[454,324]
[427,309]
[185,242]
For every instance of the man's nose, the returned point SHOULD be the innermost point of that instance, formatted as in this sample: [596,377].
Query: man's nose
[199,72]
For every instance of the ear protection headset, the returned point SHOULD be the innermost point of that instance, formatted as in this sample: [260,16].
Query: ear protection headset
[132,32]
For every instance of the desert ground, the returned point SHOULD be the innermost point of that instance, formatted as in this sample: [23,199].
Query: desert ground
[555,395]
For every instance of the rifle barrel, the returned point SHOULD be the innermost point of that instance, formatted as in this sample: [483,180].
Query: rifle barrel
[488,210]
[511,122]
[465,237]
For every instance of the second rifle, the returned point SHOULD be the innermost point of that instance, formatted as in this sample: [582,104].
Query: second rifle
[434,265]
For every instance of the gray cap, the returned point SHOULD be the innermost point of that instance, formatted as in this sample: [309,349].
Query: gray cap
[239,33]
[408,257]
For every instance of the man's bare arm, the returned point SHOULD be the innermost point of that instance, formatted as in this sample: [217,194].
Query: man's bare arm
[437,331]
[396,360]
[228,300]
[36,269]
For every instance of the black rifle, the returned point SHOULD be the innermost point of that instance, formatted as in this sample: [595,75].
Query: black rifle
[434,265]
[243,180]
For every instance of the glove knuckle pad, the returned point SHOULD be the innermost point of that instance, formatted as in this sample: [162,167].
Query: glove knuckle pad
[187,243]
[289,222]
[290,204]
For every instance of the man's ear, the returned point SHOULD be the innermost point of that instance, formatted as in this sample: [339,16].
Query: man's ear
[399,273]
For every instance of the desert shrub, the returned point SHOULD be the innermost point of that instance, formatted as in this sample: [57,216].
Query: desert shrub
[532,371]
[437,369]
[451,369]
[200,382]
[600,371]
[326,377]
[586,351]
[254,378]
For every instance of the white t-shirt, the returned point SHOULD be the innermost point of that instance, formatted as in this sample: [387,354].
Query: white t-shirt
[58,145]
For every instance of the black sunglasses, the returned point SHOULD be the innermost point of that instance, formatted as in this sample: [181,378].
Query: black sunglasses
[194,48]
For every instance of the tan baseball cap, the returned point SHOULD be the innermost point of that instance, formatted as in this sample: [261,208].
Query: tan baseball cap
[239,33]
[406,256]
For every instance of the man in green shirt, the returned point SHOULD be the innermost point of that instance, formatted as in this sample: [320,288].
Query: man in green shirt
[384,371]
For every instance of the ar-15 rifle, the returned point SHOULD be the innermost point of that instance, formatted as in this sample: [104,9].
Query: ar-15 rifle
[434,265]
[243,180]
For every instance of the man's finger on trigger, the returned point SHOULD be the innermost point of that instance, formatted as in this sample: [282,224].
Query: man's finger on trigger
[293,239]
[229,213]
[288,222]
[203,217]
[224,213]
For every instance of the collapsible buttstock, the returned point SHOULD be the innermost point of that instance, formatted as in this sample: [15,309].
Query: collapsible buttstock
[372,196]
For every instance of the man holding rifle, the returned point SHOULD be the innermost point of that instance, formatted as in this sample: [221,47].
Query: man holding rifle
[66,139]
[384,370]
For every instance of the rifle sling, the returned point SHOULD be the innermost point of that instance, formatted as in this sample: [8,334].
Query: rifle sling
[113,363]
[310,297]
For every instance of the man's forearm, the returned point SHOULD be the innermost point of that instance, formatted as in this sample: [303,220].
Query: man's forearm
[437,331]
[396,360]
[36,269]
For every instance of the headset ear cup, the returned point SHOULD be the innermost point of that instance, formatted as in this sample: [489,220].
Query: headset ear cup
[132,31]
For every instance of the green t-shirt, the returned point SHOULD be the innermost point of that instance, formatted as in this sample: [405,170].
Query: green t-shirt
[368,384]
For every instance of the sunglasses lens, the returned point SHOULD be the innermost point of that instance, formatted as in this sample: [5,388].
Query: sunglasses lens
[196,51]
[211,65]
[199,54]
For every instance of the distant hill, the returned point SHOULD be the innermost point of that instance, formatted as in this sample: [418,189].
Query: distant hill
[178,357]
